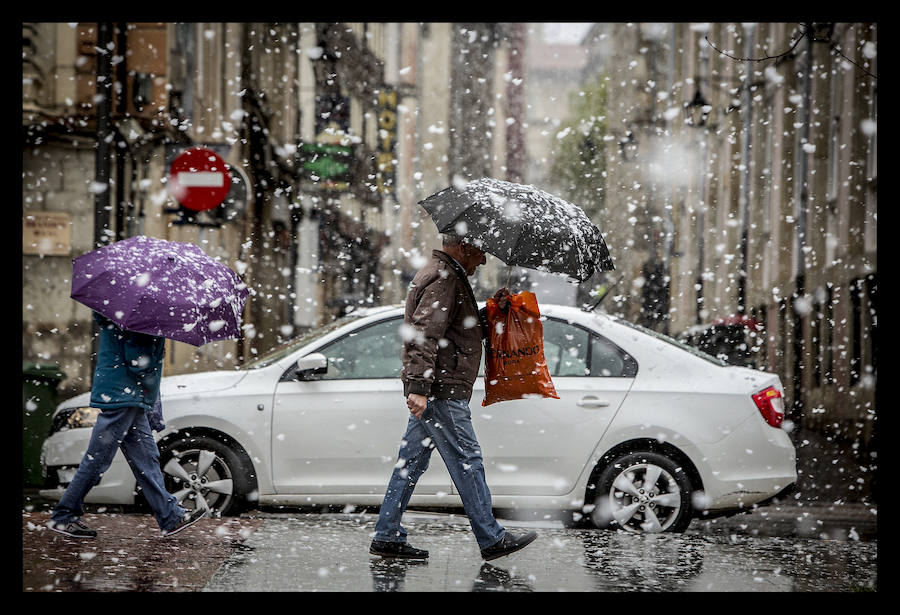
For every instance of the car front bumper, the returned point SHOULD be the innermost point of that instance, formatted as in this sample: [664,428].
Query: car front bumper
[61,455]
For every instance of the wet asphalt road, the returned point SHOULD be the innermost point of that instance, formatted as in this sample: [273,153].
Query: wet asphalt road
[329,553]
[313,552]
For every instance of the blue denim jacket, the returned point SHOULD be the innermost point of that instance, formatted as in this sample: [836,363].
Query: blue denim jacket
[129,368]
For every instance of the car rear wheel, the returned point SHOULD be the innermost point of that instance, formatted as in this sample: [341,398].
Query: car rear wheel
[203,472]
[643,492]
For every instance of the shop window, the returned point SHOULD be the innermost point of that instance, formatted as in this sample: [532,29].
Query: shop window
[856,330]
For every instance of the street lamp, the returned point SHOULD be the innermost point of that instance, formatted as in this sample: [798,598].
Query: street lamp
[628,146]
[696,115]
[697,110]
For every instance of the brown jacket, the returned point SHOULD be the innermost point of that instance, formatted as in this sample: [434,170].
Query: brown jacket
[443,331]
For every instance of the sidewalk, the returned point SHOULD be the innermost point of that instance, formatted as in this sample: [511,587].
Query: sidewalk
[128,555]
[846,521]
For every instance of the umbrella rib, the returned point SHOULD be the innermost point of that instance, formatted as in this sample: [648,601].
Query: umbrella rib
[516,245]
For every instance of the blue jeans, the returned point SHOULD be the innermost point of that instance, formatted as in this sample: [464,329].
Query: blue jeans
[129,429]
[447,426]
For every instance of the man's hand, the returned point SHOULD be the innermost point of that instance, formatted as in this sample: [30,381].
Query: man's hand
[502,298]
[416,404]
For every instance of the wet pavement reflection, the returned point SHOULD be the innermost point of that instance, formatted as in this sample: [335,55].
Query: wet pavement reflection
[330,553]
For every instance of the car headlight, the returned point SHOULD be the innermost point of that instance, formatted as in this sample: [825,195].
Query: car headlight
[74,418]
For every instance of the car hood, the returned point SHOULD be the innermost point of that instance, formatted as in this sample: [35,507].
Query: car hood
[202,382]
[171,386]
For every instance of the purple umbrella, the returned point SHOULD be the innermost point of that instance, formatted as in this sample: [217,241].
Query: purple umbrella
[163,288]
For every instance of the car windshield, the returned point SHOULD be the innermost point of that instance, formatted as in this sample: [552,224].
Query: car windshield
[665,338]
[279,352]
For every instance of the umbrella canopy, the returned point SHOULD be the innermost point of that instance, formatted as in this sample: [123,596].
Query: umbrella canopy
[163,288]
[521,225]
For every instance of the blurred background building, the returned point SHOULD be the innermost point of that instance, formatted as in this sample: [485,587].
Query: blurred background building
[726,188]
[745,191]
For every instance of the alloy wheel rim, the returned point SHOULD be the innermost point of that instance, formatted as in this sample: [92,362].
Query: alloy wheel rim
[202,479]
[644,498]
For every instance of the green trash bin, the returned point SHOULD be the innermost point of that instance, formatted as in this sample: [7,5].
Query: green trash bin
[39,400]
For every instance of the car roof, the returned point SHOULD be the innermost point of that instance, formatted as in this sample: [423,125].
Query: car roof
[613,327]
[566,312]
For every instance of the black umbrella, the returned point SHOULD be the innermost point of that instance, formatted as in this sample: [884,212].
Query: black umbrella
[521,225]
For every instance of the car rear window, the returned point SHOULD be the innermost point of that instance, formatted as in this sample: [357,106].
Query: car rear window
[665,338]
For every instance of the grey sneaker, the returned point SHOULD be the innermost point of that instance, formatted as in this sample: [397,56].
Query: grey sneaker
[73,529]
[189,519]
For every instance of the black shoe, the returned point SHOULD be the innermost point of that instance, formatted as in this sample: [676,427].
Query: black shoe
[75,529]
[508,544]
[396,549]
[187,520]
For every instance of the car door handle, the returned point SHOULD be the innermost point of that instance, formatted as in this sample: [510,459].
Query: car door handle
[592,402]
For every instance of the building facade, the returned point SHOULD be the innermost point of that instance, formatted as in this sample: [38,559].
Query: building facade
[332,131]
[307,239]
[744,185]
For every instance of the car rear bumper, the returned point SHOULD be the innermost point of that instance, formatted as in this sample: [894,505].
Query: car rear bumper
[753,463]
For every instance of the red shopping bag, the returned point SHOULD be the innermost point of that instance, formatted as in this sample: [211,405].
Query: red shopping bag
[515,366]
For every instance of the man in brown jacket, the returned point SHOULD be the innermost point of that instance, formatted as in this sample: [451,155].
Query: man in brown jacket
[443,332]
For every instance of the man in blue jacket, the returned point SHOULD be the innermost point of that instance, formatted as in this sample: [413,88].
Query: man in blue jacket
[125,389]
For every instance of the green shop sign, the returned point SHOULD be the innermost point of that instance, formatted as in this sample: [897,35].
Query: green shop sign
[328,164]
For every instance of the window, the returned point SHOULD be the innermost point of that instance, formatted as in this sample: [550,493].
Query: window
[782,352]
[856,331]
[566,349]
[280,352]
[374,352]
[608,361]
[828,337]
[371,352]
[872,297]
[818,327]
[573,351]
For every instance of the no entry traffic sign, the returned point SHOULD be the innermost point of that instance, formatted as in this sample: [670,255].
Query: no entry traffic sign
[199,179]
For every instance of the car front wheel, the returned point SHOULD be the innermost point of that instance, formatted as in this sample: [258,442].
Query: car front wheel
[643,492]
[203,472]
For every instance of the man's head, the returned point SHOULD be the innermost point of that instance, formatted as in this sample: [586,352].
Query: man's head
[468,255]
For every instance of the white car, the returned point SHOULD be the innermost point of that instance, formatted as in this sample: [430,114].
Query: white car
[646,434]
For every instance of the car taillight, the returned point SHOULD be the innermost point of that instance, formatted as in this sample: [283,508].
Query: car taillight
[771,406]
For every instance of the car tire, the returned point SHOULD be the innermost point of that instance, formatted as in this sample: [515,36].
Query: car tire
[203,471]
[625,500]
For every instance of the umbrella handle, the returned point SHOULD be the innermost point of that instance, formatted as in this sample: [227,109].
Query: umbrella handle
[508,273]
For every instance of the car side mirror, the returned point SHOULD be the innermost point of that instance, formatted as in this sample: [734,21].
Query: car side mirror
[315,363]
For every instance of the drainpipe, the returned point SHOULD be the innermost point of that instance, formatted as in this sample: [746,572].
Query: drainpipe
[103,111]
[701,223]
[744,199]
[515,132]
[701,210]
[121,110]
[800,242]
[101,158]
[668,221]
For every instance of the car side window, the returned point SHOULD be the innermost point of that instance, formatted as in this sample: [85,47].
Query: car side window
[371,352]
[565,348]
[609,361]
[573,351]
